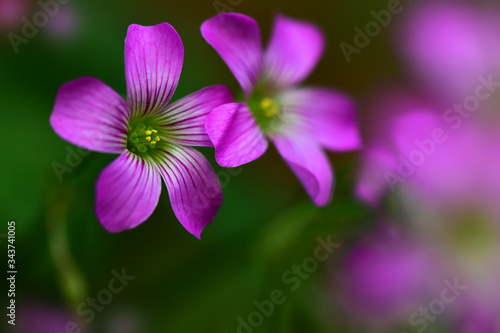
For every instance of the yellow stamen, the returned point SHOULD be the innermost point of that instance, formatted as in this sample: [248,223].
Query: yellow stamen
[272,111]
[266,103]
[141,138]
[270,107]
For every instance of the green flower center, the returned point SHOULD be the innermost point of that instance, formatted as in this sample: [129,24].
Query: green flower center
[267,112]
[143,136]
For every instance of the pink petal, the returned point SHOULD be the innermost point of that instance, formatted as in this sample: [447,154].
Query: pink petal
[408,119]
[41,316]
[194,188]
[327,115]
[127,192]
[186,117]
[153,64]
[236,38]
[235,135]
[384,276]
[310,164]
[378,165]
[293,52]
[91,115]
[413,125]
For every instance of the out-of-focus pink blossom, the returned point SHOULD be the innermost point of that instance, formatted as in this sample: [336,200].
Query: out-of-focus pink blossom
[477,318]
[437,164]
[64,23]
[384,277]
[449,44]
[450,197]
[11,12]
[399,122]
[415,149]
[37,317]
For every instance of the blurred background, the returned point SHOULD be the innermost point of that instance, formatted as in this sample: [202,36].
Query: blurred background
[409,243]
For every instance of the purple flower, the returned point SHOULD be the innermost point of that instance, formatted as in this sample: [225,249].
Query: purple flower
[449,44]
[384,277]
[65,23]
[152,137]
[448,191]
[428,159]
[42,317]
[299,121]
[11,13]
[392,155]
[476,317]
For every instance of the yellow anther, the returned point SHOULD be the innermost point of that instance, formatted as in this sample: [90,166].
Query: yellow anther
[153,142]
[267,103]
[157,138]
[154,131]
[148,132]
[270,107]
[148,138]
[272,111]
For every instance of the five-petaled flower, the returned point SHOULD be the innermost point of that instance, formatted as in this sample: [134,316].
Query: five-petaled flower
[299,121]
[152,137]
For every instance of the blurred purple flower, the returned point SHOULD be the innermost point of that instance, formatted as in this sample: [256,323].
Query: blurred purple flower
[65,23]
[299,121]
[152,137]
[443,161]
[448,189]
[38,317]
[391,144]
[11,12]
[416,150]
[384,277]
[478,318]
[449,44]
